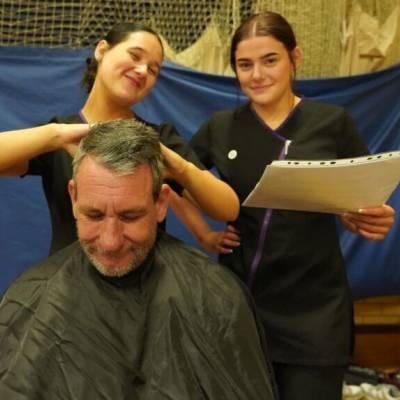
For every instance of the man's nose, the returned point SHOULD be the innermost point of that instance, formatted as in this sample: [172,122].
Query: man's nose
[111,236]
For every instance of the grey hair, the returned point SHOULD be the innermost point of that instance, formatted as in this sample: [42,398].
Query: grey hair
[122,146]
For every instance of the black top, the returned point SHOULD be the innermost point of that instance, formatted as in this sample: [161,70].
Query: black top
[56,170]
[179,327]
[291,259]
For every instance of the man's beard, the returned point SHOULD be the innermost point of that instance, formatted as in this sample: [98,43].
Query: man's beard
[139,254]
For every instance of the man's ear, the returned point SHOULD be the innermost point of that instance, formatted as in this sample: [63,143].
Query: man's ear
[162,202]
[100,50]
[73,194]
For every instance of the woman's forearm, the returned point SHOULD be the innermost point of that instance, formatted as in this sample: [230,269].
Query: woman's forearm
[18,147]
[212,195]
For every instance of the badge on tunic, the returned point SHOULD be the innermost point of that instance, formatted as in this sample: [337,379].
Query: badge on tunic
[232,154]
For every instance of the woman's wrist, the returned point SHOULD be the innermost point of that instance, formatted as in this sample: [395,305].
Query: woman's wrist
[185,174]
[54,136]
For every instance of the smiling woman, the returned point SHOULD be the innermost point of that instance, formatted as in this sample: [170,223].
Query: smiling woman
[265,57]
[290,260]
[122,71]
[264,69]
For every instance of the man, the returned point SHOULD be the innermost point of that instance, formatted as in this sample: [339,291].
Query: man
[127,312]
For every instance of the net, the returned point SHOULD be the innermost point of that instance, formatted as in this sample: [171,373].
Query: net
[196,33]
[81,23]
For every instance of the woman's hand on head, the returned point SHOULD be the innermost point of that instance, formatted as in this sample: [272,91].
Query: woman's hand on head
[372,223]
[70,136]
[175,165]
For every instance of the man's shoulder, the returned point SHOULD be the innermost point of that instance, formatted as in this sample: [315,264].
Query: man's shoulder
[38,276]
[187,256]
[197,291]
[195,270]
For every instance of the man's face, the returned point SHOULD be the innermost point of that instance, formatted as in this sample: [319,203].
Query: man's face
[116,215]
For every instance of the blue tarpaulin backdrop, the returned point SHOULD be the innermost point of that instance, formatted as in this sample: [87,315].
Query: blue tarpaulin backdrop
[36,84]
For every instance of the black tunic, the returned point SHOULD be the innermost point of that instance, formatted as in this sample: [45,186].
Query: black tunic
[180,327]
[56,170]
[299,281]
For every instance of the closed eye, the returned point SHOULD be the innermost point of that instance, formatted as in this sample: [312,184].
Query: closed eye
[131,216]
[94,216]
[135,56]
[154,70]
[128,218]
[244,65]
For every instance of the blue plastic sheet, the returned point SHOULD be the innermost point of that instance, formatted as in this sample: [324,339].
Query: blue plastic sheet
[37,83]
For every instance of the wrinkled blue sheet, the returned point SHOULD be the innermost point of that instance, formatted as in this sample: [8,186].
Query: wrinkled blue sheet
[36,84]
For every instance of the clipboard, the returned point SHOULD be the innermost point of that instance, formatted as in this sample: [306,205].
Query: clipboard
[330,186]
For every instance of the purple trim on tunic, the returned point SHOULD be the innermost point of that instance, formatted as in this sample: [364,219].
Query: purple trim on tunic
[275,131]
[257,256]
[263,123]
[268,212]
[261,237]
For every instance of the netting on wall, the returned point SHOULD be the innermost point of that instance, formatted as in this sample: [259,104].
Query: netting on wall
[74,23]
[196,33]
[318,26]
[379,9]
[62,23]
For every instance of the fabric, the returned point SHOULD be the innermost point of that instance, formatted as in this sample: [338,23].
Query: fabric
[369,44]
[208,51]
[367,391]
[55,168]
[304,382]
[197,34]
[290,259]
[37,83]
[179,327]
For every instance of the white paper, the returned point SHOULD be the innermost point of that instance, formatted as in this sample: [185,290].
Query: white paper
[332,186]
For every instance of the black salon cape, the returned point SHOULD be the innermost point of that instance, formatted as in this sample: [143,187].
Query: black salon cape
[180,327]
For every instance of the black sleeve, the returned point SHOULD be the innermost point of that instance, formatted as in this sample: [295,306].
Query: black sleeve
[39,164]
[350,142]
[170,137]
[42,163]
[202,144]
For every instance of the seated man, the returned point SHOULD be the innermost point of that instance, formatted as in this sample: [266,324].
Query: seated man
[127,312]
